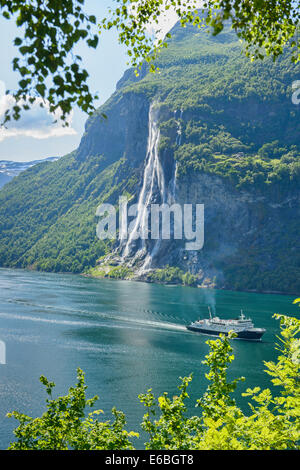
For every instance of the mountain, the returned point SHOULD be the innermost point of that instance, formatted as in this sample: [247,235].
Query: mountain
[9,169]
[210,128]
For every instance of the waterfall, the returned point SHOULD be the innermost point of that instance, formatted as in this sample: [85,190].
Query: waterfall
[179,129]
[153,182]
[154,187]
[172,184]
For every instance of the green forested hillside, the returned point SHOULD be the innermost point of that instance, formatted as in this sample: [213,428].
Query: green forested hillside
[241,123]
[48,214]
[238,124]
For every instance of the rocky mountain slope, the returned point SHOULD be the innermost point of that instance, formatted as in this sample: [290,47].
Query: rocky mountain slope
[227,136]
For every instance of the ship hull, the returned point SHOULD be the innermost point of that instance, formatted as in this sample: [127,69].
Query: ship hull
[249,335]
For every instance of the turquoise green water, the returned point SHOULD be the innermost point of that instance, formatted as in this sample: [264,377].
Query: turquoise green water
[126,336]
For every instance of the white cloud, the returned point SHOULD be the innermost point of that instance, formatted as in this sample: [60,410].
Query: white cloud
[37,122]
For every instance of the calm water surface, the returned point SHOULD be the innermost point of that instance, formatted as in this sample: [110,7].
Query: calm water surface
[126,336]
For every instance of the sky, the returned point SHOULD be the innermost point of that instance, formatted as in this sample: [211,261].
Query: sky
[35,136]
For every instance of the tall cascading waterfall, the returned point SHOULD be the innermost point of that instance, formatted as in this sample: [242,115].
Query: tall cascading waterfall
[153,180]
[154,190]
[179,129]
[178,143]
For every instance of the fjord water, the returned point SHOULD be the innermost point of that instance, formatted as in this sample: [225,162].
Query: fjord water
[126,336]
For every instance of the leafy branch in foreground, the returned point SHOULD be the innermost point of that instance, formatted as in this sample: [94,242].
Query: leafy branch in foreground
[264,26]
[273,424]
[274,421]
[65,426]
[50,72]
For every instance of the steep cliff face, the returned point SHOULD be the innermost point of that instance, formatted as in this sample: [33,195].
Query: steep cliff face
[121,134]
[246,241]
[209,129]
[246,244]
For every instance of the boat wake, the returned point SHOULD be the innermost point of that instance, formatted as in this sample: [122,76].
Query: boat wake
[89,324]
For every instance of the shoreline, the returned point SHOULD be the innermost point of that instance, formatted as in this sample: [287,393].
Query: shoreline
[248,291]
[88,275]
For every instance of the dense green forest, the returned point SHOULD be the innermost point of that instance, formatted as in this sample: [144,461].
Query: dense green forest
[242,124]
[238,123]
[55,214]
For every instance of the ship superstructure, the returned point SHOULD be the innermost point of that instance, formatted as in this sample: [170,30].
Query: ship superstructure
[242,326]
